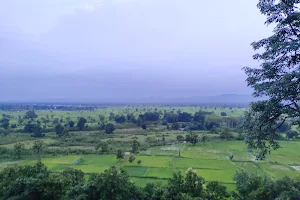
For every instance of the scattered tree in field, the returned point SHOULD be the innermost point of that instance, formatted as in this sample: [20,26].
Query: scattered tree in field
[223,114]
[278,78]
[180,138]
[203,139]
[30,115]
[120,154]
[19,149]
[38,147]
[4,122]
[175,126]
[225,134]
[59,130]
[109,128]
[13,126]
[81,123]
[71,124]
[103,146]
[38,131]
[144,126]
[120,119]
[131,158]
[111,116]
[192,138]
[139,162]
[135,146]
[163,141]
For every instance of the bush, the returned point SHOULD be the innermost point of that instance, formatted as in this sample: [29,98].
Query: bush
[139,162]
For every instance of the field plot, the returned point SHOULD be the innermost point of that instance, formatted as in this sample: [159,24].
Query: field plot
[210,160]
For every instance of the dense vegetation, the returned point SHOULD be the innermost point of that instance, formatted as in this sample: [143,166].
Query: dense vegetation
[36,182]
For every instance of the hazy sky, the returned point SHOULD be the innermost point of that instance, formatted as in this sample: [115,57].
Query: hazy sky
[102,49]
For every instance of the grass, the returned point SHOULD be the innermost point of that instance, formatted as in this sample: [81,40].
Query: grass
[210,160]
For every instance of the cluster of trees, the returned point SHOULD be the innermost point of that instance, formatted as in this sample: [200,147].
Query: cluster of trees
[36,182]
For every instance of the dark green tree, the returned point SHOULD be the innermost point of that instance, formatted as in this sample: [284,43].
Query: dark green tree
[103,146]
[216,191]
[131,158]
[144,126]
[135,146]
[38,147]
[4,122]
[109,128]
[19,149]
[30,115]
[278,77]
[120,154]
[59,130]
[81,123]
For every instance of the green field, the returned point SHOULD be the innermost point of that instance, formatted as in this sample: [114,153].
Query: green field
[210,160]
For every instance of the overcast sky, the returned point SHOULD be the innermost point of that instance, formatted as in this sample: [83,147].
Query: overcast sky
[105,49]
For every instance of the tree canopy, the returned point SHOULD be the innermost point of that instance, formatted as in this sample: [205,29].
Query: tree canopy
[278,78]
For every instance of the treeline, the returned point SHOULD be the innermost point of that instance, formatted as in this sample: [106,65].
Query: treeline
[37,182]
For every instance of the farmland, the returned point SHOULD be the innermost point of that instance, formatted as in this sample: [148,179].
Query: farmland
[161,151]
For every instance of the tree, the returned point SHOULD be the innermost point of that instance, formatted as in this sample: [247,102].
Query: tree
[203,138]
[139,162]
[278,78]
[225,134]
[38,147]
[135,146]
[38,131]
[144,126]
[223,114]
[120,119]
[30,115]
[109,128]
[131,158]
[111,116]
[180,138]
[216,191]
[120,154]
[103,146]
[59,130]
[71,124]
[175,126]
[192,138]
[19,148]
[4,122]
[81,123]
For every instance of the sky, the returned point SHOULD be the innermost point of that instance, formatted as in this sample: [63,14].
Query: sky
[126,49]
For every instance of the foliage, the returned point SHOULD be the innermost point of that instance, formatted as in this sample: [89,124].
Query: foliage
[120,154]
[135,146]
[4,122]
[59,130]
[131,158]
[18,150]
[139,162]
[278,78]
[81,123]
[38,147]
[144,126]
[109,128]
[30,115]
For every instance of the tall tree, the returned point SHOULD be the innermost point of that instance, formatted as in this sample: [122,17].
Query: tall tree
[30,114]
[278,77]
[38,147]
[81,123]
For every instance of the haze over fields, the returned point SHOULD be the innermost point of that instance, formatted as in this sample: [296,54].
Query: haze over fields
[125,49]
